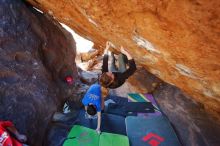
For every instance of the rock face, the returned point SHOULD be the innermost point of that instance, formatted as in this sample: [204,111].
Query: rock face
[140,82]
[194,126]
[178,41]
[29,91]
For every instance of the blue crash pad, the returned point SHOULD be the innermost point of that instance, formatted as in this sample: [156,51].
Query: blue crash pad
[130,108]
[137,97]
[156,131]
[110,123]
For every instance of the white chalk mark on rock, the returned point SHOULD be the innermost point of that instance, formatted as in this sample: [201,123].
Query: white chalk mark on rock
[38,10]
[150,58]
[185,71]
[208,93]
[142,42]
[92,21]
[50,12]
[155,72]
[89,18]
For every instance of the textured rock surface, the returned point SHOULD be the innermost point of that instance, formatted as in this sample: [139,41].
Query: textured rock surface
[178,41]
[29,94]
[141,82]
[194,126]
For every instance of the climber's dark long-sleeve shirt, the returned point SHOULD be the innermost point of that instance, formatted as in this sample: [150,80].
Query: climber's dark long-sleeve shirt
[120,78]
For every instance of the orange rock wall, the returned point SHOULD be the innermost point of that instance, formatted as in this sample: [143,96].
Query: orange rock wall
[176,40]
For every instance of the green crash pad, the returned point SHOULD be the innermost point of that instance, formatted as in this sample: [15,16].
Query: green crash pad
[82,136]
[108,139]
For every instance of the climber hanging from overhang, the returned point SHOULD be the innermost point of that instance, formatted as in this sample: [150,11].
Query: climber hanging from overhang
[116,77]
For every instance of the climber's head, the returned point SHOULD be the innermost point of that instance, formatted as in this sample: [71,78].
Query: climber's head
[69,80]
[91,109]
[106,79]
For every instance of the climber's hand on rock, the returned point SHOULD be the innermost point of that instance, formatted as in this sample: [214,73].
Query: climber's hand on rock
[108,45]
[123,51]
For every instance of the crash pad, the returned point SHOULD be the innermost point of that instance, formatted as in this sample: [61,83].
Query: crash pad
[117,109]
[154,131]
[137,97]
[82,136]
[129,109]
[110,123]
[118,99]
[109,139]
[141,107]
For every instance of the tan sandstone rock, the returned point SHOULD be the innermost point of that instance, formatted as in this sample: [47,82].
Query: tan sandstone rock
[178,41]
